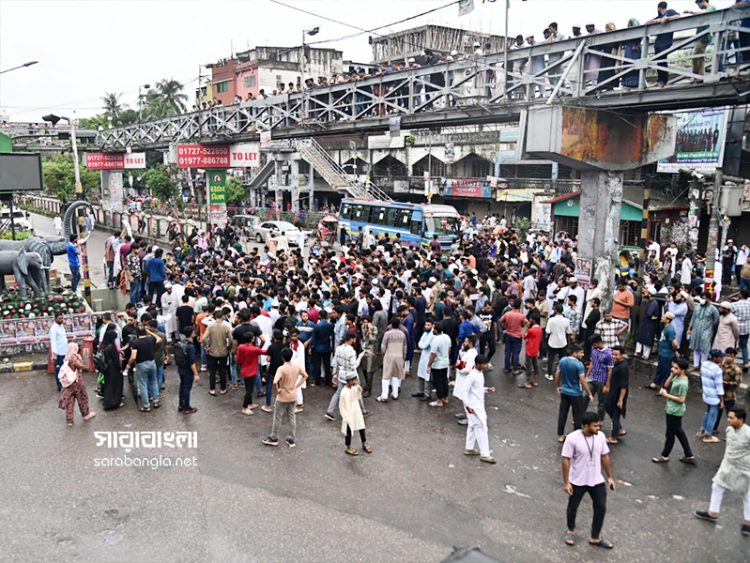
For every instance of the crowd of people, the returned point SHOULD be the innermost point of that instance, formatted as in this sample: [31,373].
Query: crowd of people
[360,317]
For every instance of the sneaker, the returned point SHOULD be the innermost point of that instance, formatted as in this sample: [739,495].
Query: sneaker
[89,416]
[463,422]
[191,410]
[271,441]
[330,416]
[266,408]
[549,377]
[203,368]
[298,409]
[487,459]
[471,452]
[710,440]
[248,412]
[704,515]
[289,442]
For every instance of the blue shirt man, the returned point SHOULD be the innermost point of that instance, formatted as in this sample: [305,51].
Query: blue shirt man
[73,261]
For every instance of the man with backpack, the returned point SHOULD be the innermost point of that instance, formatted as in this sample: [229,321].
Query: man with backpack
[184,357]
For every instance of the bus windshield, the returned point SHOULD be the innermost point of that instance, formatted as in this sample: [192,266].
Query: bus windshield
[442,225]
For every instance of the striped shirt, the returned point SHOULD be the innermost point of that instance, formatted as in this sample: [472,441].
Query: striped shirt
[601,362]
[344,362]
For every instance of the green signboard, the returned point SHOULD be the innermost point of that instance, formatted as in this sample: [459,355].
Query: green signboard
[217,190]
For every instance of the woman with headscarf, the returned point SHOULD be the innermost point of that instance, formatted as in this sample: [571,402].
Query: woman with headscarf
[73,386]
[632,52]
[608,64]
[113,380]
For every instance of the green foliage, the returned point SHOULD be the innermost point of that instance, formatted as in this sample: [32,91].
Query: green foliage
[112,105]
[20,235]
[522,225]
[59,177]
[159,181]
[236,192]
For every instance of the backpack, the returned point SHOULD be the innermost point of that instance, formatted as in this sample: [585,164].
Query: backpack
[181,357]
[100,362]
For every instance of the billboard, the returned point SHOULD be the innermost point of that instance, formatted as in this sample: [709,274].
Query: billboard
[20,172]
[114,160]
[467,187]
[700,141]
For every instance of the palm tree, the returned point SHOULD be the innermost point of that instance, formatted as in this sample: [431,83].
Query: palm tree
[171,98]
[112,104]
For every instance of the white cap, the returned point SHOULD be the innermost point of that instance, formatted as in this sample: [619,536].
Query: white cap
[725,305]
[167,285]
[454,53]
[477,44]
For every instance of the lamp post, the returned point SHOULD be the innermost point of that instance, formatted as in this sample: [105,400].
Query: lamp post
[53,119]
[140,100]
[310,32]
[24,65]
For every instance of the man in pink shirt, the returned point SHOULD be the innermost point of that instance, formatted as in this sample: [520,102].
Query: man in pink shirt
[585,453]
[512,323]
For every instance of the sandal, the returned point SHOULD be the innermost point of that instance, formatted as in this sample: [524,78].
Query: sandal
[561,439]
[570,538]
[223,392]
[367,447]
[602,543]
[613,441]
[144,409]
[352,451]
[212,393]
[381,400]
[437,403]
[688,460]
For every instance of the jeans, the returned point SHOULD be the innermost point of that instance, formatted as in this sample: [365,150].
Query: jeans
[269,386]
[335,399]
[744,284]
[279,410]
[512,351]
[75,277]
[233,370]
[662,72]
[110,272]
[743,346]
[709,419]
[674,430]
[160,375]
[214,365]
[597,389]
[566,403]
[186,385]
[147,385]
[58,364]
[155,288]
[487,342]
[135,291]
[728,405]
[551,353]
[249,384]
[662,370]
[598,495]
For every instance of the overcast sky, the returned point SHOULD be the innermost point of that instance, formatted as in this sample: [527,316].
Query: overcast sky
[87,48]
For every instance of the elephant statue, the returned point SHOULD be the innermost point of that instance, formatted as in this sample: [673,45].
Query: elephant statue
[27,267]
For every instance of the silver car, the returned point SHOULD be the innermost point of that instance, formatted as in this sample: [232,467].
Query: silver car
[267,228]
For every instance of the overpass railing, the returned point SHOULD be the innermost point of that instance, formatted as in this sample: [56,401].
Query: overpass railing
[566,71]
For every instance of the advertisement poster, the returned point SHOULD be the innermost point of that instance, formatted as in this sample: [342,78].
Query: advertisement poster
[217,197]
[32,331]
[466,187]
[541,213]
[583,272]
[700,142]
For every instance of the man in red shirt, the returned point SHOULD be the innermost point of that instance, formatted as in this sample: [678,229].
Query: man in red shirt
[533,338]
[512,323]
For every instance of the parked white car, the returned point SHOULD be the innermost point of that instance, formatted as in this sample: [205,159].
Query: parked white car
[294,234]
[19,219]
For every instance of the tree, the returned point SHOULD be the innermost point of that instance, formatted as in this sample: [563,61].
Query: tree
[160,182]
[170,99]
[236,192]
[112,105]
[59,178]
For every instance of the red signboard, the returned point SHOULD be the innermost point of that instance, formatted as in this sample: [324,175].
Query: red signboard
[105,161]
[201,156]
[467,187]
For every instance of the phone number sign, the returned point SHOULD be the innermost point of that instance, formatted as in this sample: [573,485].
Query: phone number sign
[203,156]
[241,155]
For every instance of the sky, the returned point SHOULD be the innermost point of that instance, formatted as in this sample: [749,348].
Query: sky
[86,48]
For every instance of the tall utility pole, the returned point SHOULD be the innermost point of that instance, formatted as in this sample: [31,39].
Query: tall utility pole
[310,32]
[713,231]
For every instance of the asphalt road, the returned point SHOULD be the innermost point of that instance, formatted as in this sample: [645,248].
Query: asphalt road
[413,499]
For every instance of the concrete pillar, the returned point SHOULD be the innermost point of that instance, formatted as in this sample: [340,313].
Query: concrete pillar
[599,227]
[295,184]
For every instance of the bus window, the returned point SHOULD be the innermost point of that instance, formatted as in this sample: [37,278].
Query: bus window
[345,210]
[416,226]
[377,216]
[359,212]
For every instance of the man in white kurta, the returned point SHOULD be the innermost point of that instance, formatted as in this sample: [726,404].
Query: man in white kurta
[425,388]
[476,430]
[734,471]
[298,358]
[169,304]
[466,359]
